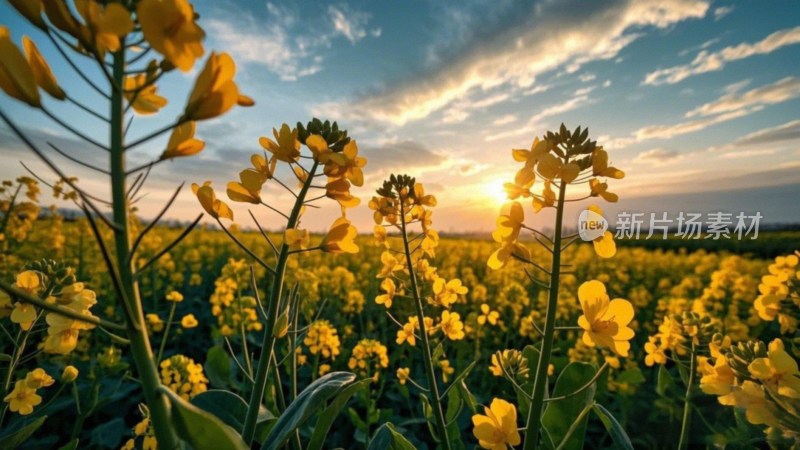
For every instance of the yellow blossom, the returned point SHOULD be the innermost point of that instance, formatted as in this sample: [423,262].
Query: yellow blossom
[38,378]
[22,398]
[182,142]
[389,289]
[447,292]
[403,374]
[174,296]
[451,325]
[340,238]
[297,239]
[496,429]
[41,70]
[189,321]
[487,315]
[208,200]
[604,323]
[777,371]
[169,27]
[214,91]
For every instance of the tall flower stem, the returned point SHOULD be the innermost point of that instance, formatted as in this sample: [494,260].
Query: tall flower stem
[687,401]
[268,344]
[533,421]
[137,333]
[436,403]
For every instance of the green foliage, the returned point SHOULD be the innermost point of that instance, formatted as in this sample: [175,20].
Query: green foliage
[560,414]
[307,403]
[387,438]
[15,438]
[200,429]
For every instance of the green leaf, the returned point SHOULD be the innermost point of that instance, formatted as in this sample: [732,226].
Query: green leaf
[330,413]
[109,434]
[16,438]
[387,438]
[664,382]
[218,367]
[305,405]
[633,377]
[4,357]
[200,429]
[71,445]
[227,406]
[560,414]
[469,399]
[455,404]
[618,434]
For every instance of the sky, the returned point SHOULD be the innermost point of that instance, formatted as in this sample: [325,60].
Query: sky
[697,101]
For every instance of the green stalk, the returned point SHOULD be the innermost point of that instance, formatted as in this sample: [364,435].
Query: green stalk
[687,401]
[137,333]
[436,404]
[268,344]
[532,423]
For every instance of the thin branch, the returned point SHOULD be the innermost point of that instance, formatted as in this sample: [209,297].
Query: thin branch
[154,134]
[276,210]
[141,178]
[55,168]
[74,66]
[246,250]
[154,222]
[526,260]
[171,245]
[72,130]
[76,160]
[264,233]
[86,108]
[285,186]
[582,388]
[57,309]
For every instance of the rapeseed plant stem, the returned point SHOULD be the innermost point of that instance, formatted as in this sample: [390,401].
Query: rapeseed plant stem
[540,382]
[268,343]
[441,425]
[140,343]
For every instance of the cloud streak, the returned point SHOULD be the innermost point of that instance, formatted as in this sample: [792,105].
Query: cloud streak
[549,39]
[706,61]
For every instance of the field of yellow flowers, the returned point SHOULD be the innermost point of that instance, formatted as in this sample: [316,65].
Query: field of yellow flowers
[203,319]
[123,333]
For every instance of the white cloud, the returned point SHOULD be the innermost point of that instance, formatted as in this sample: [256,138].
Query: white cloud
[505,120]
[730,106]
[657,156]
[513,58]
[713,61]
[748,153]
[281,41]
[782,90]
[349,23]
[535,122]
[722,11]
[789,131]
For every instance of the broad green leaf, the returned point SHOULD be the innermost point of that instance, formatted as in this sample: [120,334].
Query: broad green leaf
[305,405]
[18,437]
[560,414]
[218,367]
[455,404]
[227,406]
[469,399]
[387,438]
[200,429]
[618,434]
[109,434]
[330,413]
[664,381]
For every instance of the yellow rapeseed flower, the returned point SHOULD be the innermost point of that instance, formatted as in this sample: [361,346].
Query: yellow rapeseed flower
[389,289]
[22,398]
[496,429]
[189,321]
[214,91]
[208,200]
[38,378]
[452,326]
[605,323]
[41,70]
[777,371]
[169,27]
[340,238]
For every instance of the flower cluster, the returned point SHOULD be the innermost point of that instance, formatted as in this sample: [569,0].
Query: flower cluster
[368,358]
[762,380]
[322,339]
[183,376]
[780,293]
[23,397]
[234,310]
